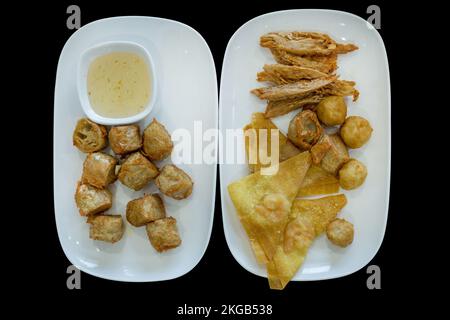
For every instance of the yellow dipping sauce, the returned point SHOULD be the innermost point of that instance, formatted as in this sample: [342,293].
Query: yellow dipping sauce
[118,84]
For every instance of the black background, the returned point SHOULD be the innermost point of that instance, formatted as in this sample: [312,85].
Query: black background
[218,278]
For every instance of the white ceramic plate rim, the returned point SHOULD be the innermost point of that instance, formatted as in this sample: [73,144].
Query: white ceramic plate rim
[223,188]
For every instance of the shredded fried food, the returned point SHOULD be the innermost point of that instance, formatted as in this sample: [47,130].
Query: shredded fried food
[283,74]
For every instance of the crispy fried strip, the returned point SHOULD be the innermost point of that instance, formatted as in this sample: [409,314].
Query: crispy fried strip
[282,74]
[292,90]
[326,64]
[304,43]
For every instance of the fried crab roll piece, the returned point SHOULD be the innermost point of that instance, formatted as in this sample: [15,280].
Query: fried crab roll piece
[305,130]
[336,156]
[137,171]
[99,169]
[91,200]
[163,234]
[174,182]
[157,144]
[125,139]
[108,228]
[89,136]
[144,210]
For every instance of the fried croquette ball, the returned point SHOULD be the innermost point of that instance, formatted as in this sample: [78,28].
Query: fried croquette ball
[352,174]
[174,182]
[91,200]
[144,210]
[137,171]
[108,228]
[305,130]
[99,169]
[332,111]
[163,234]
[157,144]
[355,131]
[125,139]
[89,136]
[340,232]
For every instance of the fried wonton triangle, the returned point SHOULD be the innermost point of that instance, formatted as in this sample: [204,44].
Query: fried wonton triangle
[308,219]
[263,202]
[317,181]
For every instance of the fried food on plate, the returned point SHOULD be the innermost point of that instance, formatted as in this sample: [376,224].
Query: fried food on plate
[157,144]
[326,64]
[308,219]
[340,232]
[299,89]
[89,136]
[108,228]
[283,74]
[305,129]
[355,131]
[174,182]
[352,174]
[163,234]
[253,143]
[125,139]
[332,110]
[99,169]
[320,149]
[137,171]
[317,181]
[91,200]
[336,156]
[304,43]
[146,209]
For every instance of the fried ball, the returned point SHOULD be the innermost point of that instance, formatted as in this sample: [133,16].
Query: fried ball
[174,182]
[125,139]
[137,171]
[91,200]
[332,111]
[163,234]
[305,130]
[355,131]
[340,232]
[336,156]
[157,144]
[99,169]
[352,174]
[144,210]
[89,136]
[108,228]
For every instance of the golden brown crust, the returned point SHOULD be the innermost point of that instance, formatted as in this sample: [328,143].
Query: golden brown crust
[125,139]
[305,130]
[336,156]
[282,74]
[325,64]
[108,228]
[157,144]
[332,110]
[91,200]
[340,232]
[320,149]
[352,174]
[137,171]
[89,136]
[144,210]
[355,131]
[99,169]
[163,234]
[174,182]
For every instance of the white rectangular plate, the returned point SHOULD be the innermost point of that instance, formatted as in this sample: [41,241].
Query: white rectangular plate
[367,206]
[187,92]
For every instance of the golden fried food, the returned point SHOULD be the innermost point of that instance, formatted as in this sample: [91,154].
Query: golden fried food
[340,232]
[320,149]
[99,169]
[125,139]
[137,171]
[174,182]
[336,156]
[89,136]
[157,144]
[108,228]
[305,130]
[332,110]
[163,234]
[326,64]
[91,200]
[282,74]
[355,131]
[146,209]
[352,174]
[317,181]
